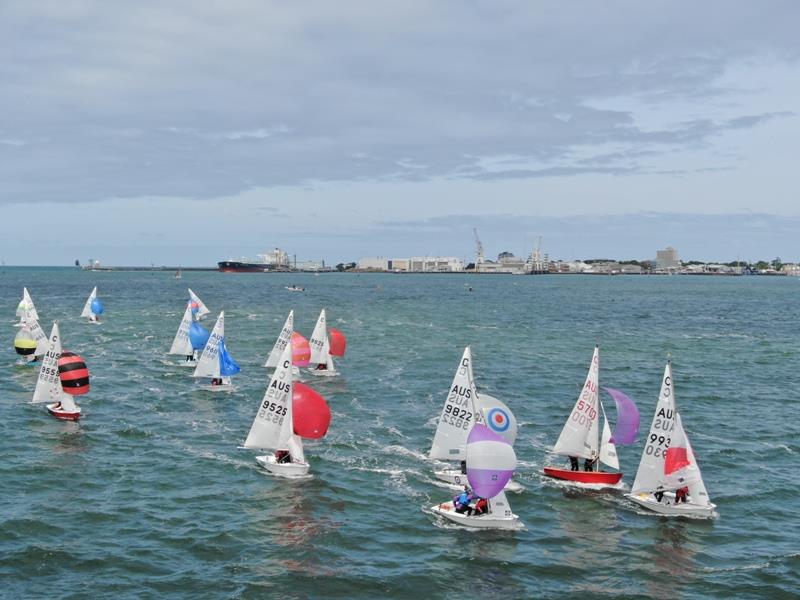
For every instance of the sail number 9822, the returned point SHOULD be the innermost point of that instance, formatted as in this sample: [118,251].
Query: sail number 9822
[460,418]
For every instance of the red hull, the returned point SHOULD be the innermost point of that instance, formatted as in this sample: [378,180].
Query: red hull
[66,416]
[583,476]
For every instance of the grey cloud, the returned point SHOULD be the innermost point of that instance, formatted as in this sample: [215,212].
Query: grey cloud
[194,100]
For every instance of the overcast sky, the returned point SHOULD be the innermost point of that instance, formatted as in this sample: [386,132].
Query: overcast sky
[184,132]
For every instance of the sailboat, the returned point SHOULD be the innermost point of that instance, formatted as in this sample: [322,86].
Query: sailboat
[199,309]
[215,361]
[668,465]
[182,344]
[490,465]
[281,343]
[26,311]
[178,274]
[49,387]
[462,408]
[581,437]
[321,351]
[93,307]
[273,427]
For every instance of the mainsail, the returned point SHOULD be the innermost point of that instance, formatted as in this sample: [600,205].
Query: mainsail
[182,344]
[281,342]
[272,427]
[579,437]
[208,363]
[87,308]
[458,414]
[319,340]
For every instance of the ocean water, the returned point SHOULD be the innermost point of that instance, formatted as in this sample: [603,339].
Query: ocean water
[148,496]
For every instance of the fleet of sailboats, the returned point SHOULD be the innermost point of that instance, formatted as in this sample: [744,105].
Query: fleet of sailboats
[474,429]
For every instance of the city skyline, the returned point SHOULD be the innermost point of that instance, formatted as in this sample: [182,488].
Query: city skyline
[187,134]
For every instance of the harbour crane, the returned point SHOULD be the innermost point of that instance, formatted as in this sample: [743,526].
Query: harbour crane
[479,258]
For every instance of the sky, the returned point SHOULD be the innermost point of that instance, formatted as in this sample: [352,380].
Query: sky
[183,133]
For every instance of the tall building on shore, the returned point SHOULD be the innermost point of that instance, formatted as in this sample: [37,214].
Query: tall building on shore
[667,259]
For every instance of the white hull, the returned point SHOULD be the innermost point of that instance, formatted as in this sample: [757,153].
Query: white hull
[323,372]
[289,469]
[486,521]
[668,508]
[458,480]
[188,363]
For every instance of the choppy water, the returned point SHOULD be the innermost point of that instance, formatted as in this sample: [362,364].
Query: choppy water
[148,495]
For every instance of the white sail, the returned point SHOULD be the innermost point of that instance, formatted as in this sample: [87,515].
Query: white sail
[458,414]
[272,426]
[87,308]
[579,436]
[182,344]
[48,386]
[493,413]
[650,475]
[608,451]
[39,335]
[208,363]
[295,446]
[319,341]
[281,342]
[202,310]
[26,311]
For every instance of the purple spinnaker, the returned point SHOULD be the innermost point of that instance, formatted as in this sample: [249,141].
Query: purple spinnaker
[627,418]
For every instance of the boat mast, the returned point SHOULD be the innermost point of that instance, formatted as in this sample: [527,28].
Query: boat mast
[596,466]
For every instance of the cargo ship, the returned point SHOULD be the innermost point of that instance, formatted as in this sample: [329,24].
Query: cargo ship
[274,261]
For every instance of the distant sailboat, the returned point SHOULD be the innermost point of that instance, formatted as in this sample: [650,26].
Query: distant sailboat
[199,309]
[322,352]
[178,274]
[668,468]
[93,308]
[182,344]
[215,361]
[59,370]
[26,311]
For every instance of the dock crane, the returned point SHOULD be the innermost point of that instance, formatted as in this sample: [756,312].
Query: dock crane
[479,258]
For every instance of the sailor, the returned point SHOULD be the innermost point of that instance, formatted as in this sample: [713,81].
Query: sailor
[282,456]
[681,495]
[658,495]
[463,467]
[573,463]
[461,502]
[481,506]
[588,464]
[216,381]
